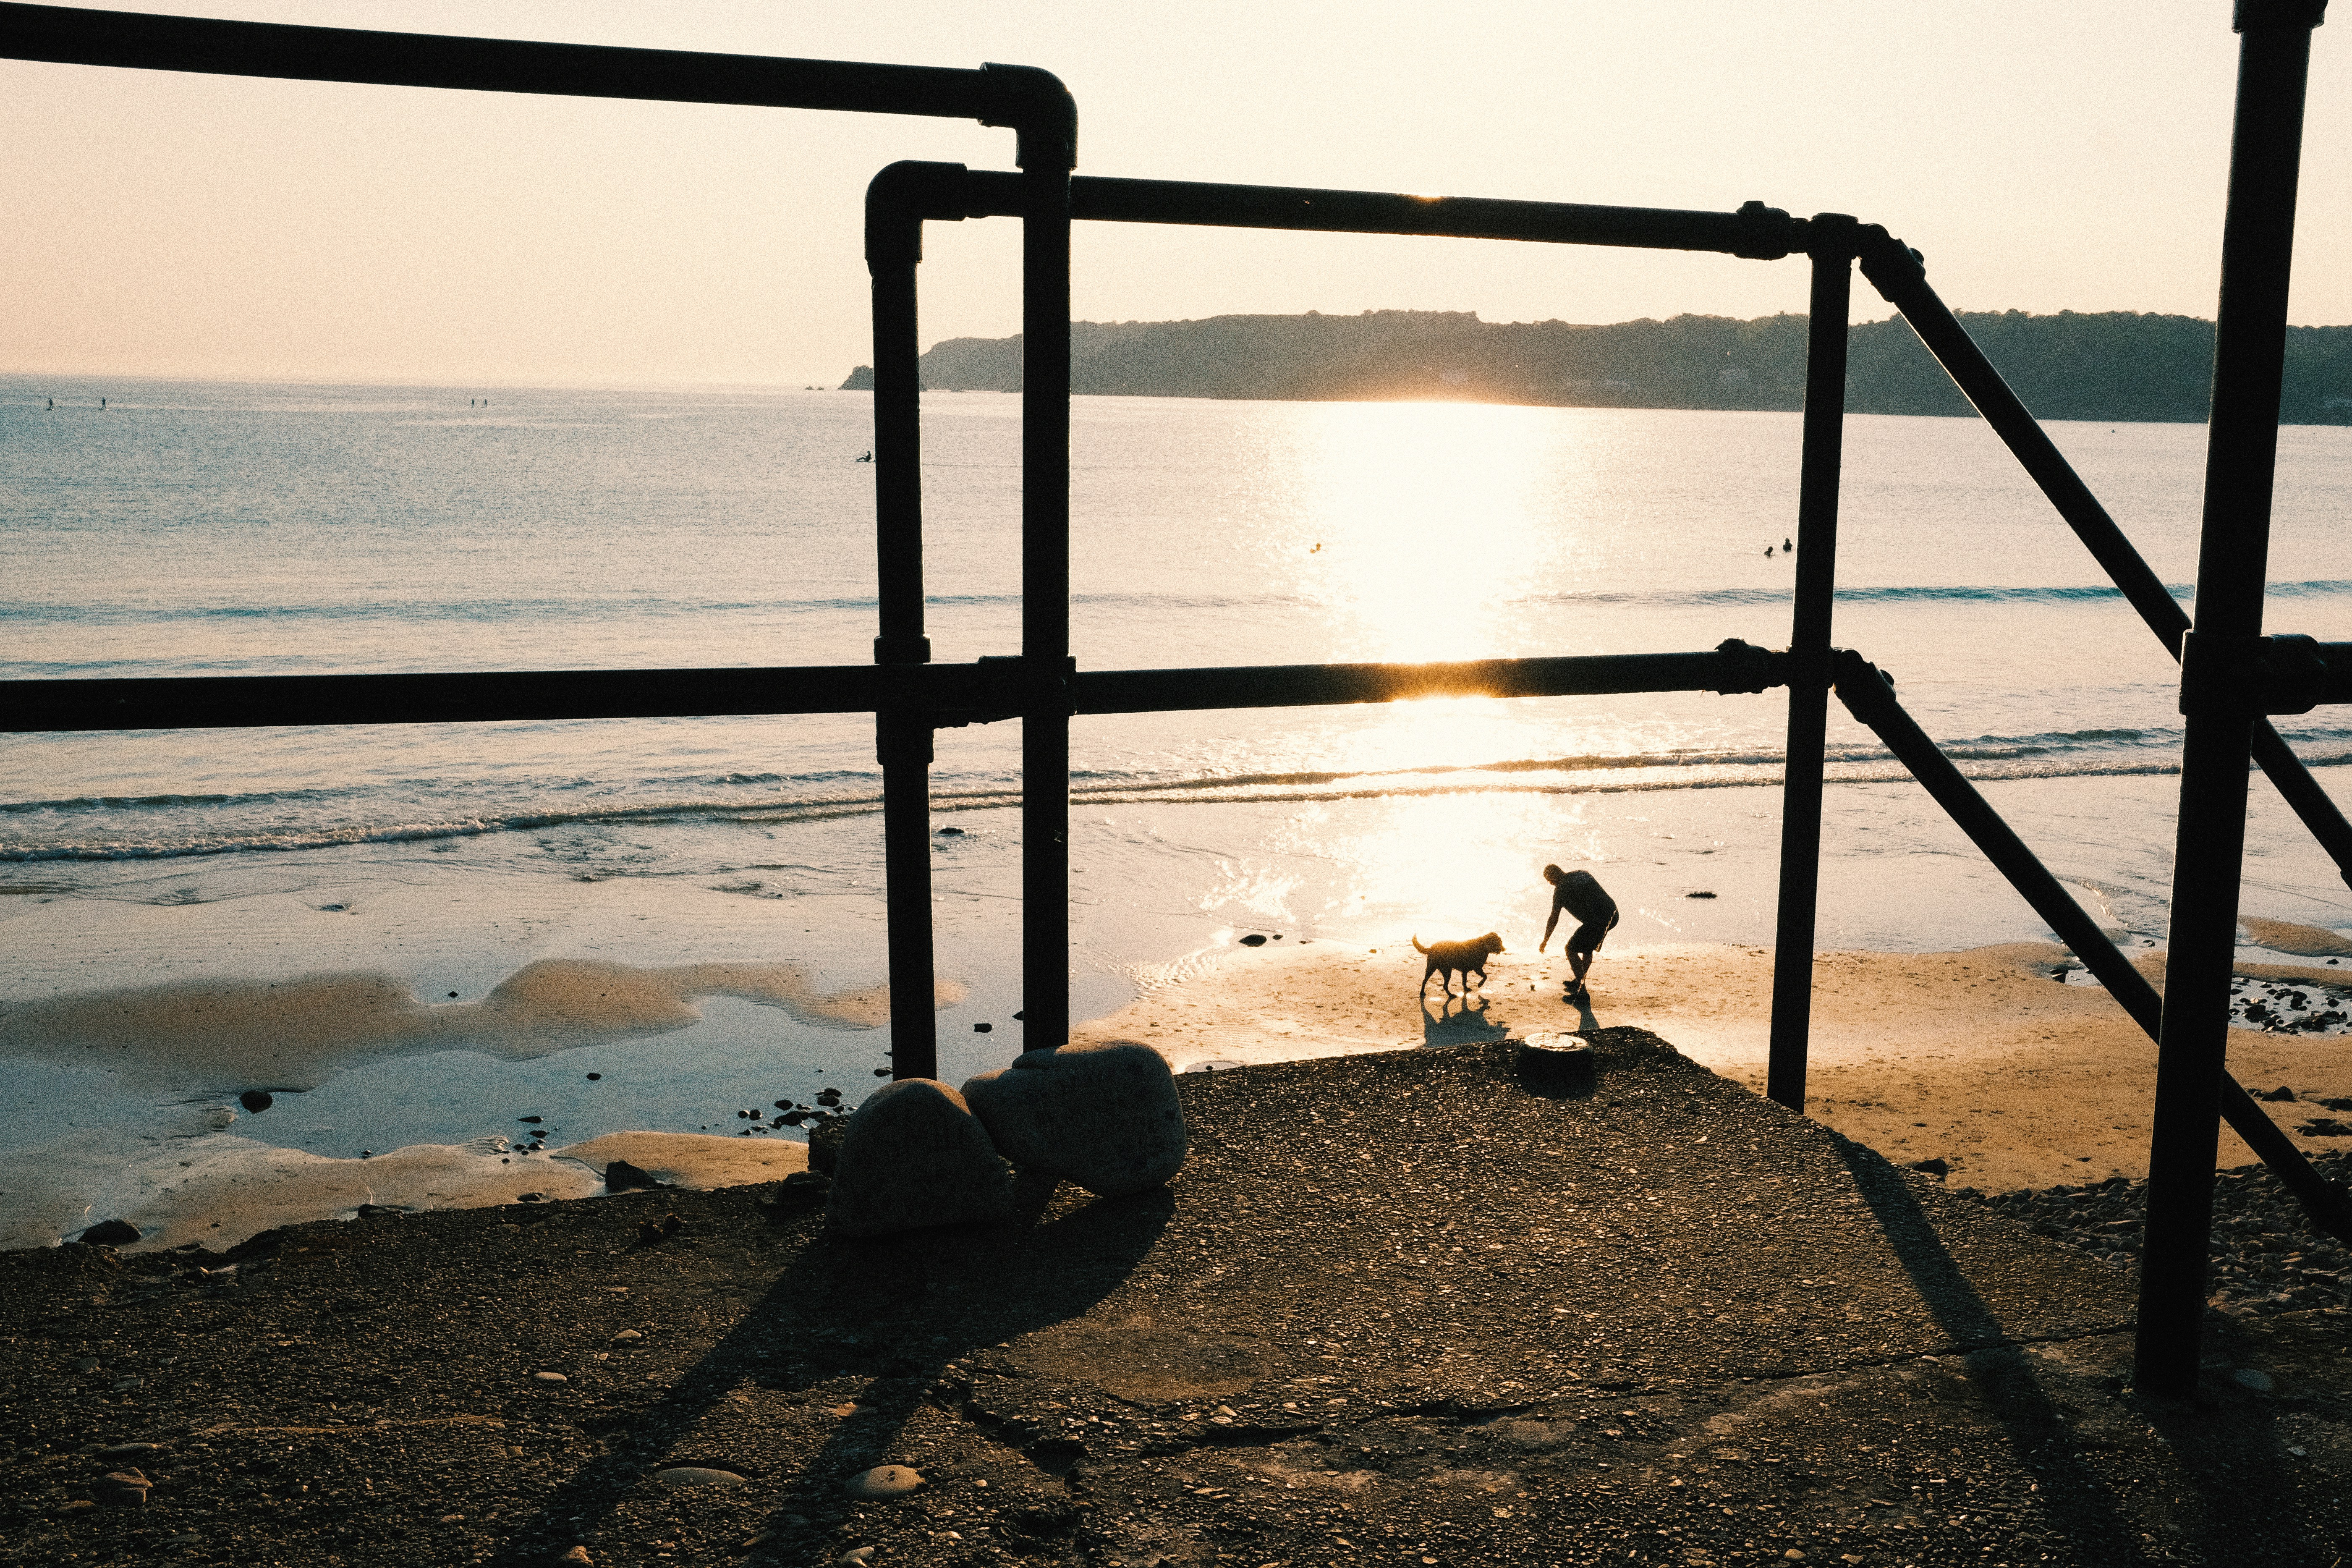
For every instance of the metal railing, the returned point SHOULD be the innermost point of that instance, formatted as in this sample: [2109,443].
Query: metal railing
[2231,679]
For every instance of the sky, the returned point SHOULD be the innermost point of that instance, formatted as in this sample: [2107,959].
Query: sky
[2057,154]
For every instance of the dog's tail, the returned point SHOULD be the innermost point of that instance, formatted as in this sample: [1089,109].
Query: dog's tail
[1416,943]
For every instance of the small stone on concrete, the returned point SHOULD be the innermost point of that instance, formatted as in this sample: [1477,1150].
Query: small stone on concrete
[1105,1116]
[698,1476]
[882,1481]
[915,1156]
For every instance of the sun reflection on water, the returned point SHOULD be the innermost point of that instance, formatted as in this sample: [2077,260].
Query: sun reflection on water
[1425,523]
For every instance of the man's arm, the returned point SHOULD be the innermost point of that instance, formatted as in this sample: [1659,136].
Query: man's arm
[1547,925]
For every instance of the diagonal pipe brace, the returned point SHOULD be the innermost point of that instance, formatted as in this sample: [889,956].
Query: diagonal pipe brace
[1869,695]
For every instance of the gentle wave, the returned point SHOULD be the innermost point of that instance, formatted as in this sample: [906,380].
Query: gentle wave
[1990,760]
[82,613]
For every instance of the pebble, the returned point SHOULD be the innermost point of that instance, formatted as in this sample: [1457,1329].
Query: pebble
[594,1076]
[627,1337]
[122,1489]
[130,1450]
[698,1476]
[111,1233]
[2250,1377]
[549,1377]
[620,1177]
[856,1557]
[577,1554]
[257,1100]
[1254,940]
[882,1481]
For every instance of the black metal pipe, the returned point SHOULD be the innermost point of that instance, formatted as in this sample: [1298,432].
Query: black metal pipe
[68,36]
[1868,695]
[1809,655]
[982,691]
[1896,271]
[253,702]
[1736,667]
[2241,451]
[1046,603]
[1755,231]
[897,202]
[1047,204]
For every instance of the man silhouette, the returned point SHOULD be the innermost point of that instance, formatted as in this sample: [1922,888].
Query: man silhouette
[1580,895]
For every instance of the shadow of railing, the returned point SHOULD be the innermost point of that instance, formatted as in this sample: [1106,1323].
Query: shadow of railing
[894,1311]
[2079,1499]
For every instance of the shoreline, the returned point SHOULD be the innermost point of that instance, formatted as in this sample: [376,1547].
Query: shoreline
[1980,1058]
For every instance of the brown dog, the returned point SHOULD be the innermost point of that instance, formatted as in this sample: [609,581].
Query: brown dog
[1469,957]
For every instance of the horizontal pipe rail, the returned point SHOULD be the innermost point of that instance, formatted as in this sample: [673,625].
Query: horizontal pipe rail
[1868,697]
[955,693]
[1022,97]
[1743,669]
[1756,232]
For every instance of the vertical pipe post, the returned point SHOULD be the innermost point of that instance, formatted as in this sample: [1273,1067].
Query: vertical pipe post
[902,736]
[1045,592]
[1834,237]
[2217,694]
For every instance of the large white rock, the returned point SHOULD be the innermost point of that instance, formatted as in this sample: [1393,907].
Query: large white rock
[1105,1116]
[915,1156]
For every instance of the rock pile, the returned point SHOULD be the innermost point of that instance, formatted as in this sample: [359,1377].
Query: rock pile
[2267,1255]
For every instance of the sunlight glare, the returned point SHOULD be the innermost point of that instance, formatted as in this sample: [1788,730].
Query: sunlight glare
[1433,520]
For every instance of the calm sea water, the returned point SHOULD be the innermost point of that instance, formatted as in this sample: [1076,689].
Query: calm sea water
[207,529]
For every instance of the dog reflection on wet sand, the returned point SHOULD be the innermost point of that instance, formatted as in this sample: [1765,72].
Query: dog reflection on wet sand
[1467,957]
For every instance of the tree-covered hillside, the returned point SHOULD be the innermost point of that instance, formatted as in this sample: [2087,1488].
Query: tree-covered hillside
[2111,365]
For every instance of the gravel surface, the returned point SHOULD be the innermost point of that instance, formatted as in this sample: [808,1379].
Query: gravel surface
[2267,1258]
[1402,1308]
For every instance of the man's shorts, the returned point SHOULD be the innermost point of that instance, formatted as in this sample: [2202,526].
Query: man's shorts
[1587,940]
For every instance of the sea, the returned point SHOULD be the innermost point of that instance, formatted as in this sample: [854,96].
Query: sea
[190,527]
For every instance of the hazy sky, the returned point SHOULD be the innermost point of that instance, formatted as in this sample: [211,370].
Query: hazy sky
[2046,155]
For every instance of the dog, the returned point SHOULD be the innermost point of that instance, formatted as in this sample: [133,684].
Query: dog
[1469,957]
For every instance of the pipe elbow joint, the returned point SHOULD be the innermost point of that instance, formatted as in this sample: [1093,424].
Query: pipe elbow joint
[1035,103]
[1894,268]
[898,202]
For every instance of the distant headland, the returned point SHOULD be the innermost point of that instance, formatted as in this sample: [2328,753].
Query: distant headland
[2114,364]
